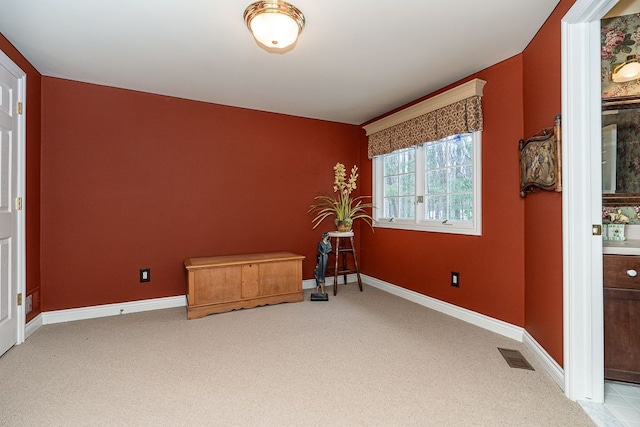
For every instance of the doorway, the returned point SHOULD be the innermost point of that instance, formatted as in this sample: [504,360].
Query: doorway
[582,201]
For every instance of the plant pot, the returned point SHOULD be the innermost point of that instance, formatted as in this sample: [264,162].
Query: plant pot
[616,232]
[344,225]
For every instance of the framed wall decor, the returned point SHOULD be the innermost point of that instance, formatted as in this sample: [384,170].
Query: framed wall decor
[541,160]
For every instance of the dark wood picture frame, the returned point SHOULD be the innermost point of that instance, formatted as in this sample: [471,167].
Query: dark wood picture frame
[621,199]
[541,160]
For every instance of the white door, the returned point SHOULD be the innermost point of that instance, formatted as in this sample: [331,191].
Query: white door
[582,200]
[11,218]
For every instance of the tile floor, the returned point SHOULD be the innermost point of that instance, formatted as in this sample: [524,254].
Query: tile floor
[623,401]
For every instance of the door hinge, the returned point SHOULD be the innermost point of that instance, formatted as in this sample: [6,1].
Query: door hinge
[596,230]
[19,108]
[19,299]
[18,203]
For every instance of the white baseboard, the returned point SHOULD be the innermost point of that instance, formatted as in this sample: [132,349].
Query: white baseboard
[83,313]
[311,283]
[33,325]
[485,322]
[72,314]
[550,365]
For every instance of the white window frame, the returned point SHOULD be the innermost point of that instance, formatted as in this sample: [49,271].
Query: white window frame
[473,227]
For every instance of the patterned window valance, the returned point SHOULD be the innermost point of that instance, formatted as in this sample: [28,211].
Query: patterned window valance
[449,113]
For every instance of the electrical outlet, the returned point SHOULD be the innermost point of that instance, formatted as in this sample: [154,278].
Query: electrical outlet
[145,275]
[455,279]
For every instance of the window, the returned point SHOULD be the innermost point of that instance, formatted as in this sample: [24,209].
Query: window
[435,186]
[399,186]
[424,183]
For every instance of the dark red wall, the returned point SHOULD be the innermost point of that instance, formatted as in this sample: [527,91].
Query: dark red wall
[32,199]
[491,266]
[543,210]
[133,180]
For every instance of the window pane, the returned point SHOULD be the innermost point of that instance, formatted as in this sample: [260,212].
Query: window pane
[460,150]
[391,208]
[449,179]
[399,184]
[407,185]
[390,164]
[407,161]
[436,207]
[436,182]
[435,155]
[461,207]
[390,186]
[461,179]
[407,208]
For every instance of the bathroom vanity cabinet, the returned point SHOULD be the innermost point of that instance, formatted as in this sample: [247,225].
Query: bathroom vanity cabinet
[622,317]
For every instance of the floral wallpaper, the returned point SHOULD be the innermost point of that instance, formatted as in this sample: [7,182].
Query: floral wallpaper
[620,37]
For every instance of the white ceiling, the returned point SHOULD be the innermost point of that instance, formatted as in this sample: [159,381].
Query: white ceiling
[355,59]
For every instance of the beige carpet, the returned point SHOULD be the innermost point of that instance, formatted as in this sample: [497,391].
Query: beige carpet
[365,358]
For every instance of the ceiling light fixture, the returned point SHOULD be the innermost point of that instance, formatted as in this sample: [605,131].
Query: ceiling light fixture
[274,24]
[627,71]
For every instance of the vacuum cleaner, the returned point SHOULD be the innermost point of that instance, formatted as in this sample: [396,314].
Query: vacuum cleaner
[324,249]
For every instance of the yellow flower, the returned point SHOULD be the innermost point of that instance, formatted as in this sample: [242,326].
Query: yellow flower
[618,217]
[343,206]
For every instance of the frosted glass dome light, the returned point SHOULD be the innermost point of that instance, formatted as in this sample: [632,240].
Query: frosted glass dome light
[274,24]
[629,70]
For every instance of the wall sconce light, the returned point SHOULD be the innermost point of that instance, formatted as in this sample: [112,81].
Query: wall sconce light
[627,71]
[274,24]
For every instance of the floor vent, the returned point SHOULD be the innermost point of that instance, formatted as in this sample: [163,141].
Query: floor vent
[515,359]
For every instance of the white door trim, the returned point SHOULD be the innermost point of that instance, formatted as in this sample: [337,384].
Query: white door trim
[21,275]
[582,200]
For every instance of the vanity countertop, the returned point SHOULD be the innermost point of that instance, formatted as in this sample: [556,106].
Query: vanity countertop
[621,247]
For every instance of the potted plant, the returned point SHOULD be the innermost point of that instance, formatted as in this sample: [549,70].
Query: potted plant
[343,206]
[614,230]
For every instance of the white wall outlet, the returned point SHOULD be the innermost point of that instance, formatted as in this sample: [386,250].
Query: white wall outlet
[145,275]
[455,279]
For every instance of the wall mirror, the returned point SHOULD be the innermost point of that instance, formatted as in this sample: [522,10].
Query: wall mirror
[621,151]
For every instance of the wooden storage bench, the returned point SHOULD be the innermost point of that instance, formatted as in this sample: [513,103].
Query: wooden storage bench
[225,283]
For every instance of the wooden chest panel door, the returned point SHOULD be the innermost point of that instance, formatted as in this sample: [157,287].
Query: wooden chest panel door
[250,280]
[218,284]
[280,277]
